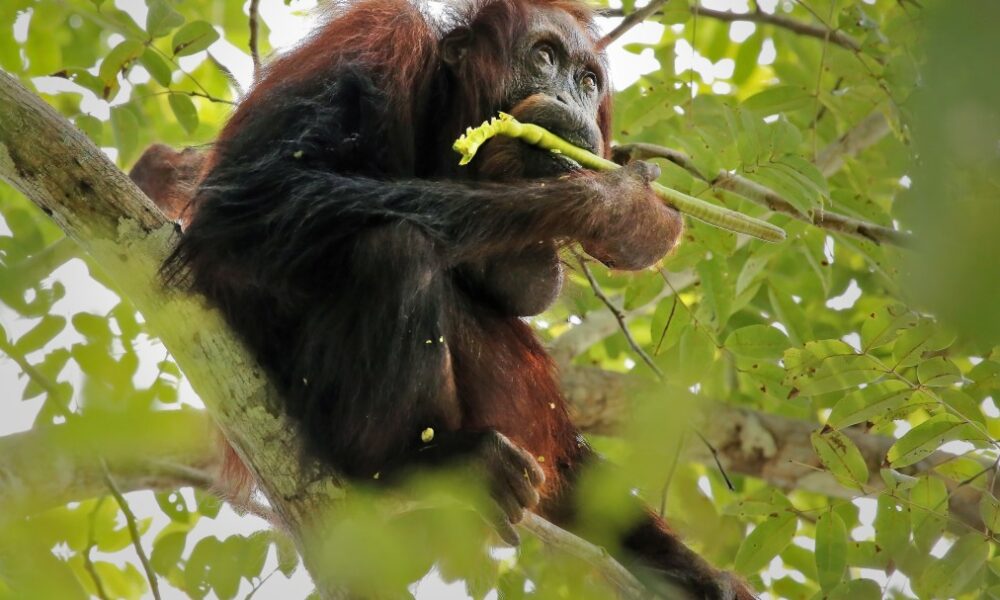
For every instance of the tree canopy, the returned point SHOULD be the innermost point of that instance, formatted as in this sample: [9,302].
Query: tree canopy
[818,415]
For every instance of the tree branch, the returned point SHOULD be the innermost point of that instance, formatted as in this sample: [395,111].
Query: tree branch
[630,21]
[775,449]
[817,31]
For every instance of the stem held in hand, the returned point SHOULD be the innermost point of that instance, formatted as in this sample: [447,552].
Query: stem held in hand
[505,124]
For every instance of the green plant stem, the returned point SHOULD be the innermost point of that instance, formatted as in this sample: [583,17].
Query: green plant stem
[504,124]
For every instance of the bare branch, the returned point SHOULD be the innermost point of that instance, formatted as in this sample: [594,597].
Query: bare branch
[630,21]
[770,199]
[618,315]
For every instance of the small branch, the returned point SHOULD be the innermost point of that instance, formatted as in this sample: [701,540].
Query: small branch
[807,29]
[820,32]
[254,33]
[619,316]
[767,197]
[630,21]
[133,531]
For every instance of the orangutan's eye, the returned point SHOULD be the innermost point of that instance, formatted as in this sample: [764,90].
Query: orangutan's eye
[588,82]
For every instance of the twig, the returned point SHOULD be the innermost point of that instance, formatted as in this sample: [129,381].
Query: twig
[88,562]
[666,326]
[260,584]
[254,32]
[630,21]
[718,463]
[133,530]
[619,316]
[765,196]
[670,474]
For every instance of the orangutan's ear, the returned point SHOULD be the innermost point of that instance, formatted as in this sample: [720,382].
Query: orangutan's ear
[455,45]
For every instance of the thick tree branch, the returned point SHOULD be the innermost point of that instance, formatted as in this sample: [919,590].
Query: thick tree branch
[54,165]
[756,444]
[768,198]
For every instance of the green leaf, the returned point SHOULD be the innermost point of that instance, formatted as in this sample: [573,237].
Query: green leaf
[841,457]
[879,400]
[831,550]
[288,555]
[757,341]
[185,111]
[39,335]
[948,577]
[765,542]
[989,510]
[938,372]
[92,327]
[881,326]
[928,437]
[857,589]
[174,506]
[162,19]
[193,38]
[836,373]
[928,511]
[779,99]
[892,525]
[167,552]
[747,57]
[125,126]
[92,126]
[913,343]
[120,57]
[158,68]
